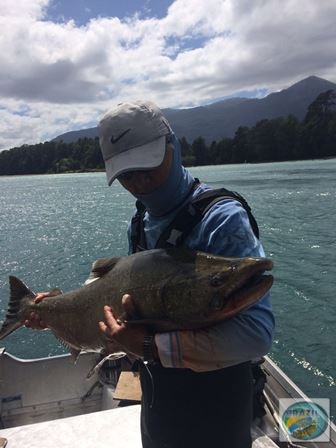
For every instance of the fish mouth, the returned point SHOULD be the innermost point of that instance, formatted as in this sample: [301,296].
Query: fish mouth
[252,288]
[256,284]
[256,279]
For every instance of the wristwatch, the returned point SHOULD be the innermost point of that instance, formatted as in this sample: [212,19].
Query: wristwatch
[148,354]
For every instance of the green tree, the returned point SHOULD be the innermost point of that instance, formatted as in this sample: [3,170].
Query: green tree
[188,159]
[199,150]
[241,148]
[318,138]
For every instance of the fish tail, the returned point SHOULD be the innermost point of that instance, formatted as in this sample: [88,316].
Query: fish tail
[18,290]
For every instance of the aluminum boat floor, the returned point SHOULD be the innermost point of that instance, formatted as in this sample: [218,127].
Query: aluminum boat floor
[119,426]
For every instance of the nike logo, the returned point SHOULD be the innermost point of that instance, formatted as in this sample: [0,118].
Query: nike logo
[115,140]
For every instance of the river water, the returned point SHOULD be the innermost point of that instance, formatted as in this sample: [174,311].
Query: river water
[53,226]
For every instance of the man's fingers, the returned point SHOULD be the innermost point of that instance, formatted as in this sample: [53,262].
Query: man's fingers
[40,296]
[102,326]
[35,322]
[129,307]
[109,318]
[110,326]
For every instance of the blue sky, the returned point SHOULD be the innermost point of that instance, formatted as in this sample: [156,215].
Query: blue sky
[82,11]
[65,62]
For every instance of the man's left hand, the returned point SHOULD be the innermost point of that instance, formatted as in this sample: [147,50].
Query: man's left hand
[131,337]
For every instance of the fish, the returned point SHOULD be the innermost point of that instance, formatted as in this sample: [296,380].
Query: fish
[171,289]
[306,429]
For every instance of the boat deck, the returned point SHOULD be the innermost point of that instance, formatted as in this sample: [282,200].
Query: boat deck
[98,429]
[48,403]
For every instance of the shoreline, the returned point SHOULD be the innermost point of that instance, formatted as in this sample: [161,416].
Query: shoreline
[102,170]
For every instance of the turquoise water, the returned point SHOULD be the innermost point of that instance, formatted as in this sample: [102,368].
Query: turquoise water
[52,227]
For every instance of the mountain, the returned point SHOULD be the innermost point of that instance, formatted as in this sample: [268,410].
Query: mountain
[221,119]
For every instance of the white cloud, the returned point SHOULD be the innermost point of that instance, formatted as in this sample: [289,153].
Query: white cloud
[33,9]
[56,77]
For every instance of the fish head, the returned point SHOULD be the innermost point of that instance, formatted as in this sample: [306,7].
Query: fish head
[212,288]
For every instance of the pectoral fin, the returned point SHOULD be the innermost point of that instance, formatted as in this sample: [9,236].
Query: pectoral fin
[74,354]
[112,356]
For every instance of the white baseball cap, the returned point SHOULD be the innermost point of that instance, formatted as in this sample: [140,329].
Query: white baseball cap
[132,137]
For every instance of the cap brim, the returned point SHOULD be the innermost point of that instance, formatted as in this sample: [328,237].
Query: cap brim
[148,157]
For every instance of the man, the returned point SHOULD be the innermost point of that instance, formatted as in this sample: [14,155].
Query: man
[196,385]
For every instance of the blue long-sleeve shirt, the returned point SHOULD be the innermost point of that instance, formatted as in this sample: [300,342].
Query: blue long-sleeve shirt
[224,230]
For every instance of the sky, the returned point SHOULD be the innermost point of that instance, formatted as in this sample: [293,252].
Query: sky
[64,63]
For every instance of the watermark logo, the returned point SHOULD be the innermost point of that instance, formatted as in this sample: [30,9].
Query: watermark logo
[304,420]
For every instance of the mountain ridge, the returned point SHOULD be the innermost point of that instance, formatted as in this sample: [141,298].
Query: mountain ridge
[224,117]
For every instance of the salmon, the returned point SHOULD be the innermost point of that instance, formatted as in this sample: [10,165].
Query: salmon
[172,289]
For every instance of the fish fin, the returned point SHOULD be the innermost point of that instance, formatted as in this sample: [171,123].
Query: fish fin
[55,292]
[112,356]
[74,353]
[100,267]
[18,290]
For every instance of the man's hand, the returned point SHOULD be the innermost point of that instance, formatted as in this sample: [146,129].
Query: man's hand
[129,336]
[34,320]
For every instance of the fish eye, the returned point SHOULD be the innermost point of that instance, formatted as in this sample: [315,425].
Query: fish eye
[234,267]
[217,279]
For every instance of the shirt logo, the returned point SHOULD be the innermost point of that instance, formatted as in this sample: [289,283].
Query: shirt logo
[116,139]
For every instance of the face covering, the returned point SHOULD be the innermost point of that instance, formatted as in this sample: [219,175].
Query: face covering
[174,190]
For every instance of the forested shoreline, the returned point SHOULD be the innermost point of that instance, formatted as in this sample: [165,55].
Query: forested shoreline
[280,139]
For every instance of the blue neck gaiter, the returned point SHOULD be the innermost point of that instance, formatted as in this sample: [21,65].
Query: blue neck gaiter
[174,190]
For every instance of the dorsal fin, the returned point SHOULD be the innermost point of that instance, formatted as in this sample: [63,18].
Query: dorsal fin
[103,265]
[100,267]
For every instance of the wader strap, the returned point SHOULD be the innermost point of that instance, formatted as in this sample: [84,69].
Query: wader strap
[203,201]
[190,215]
[180,227]
[138,240]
